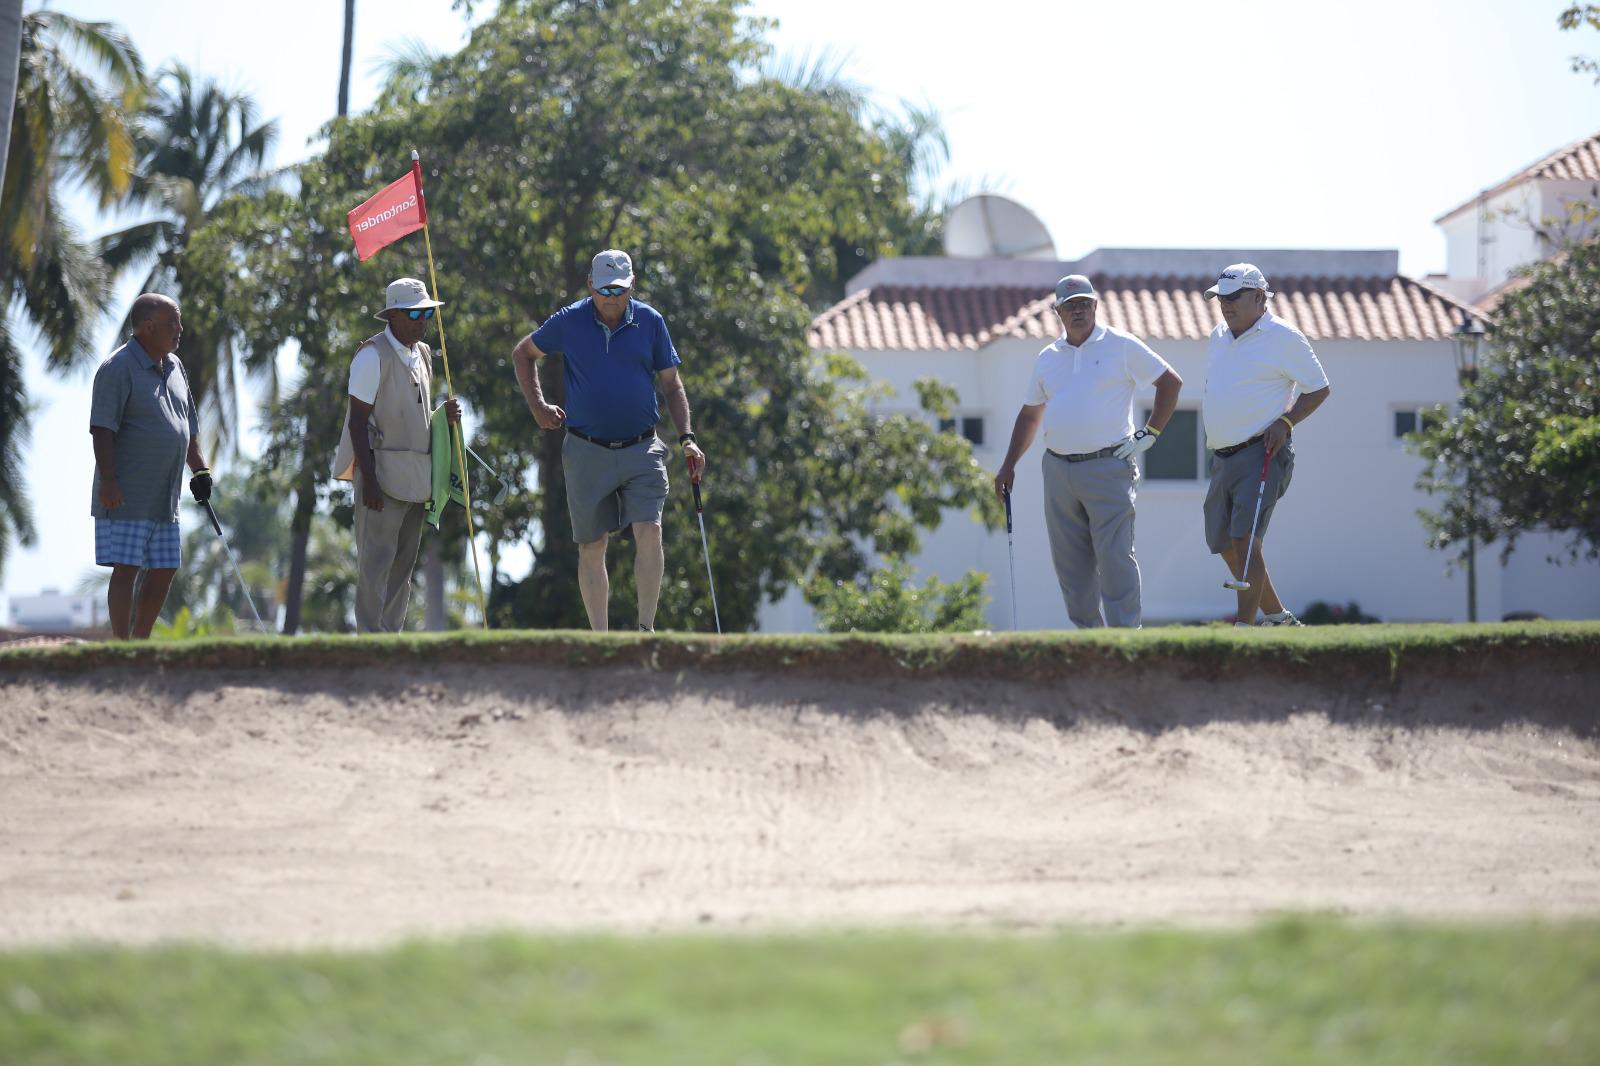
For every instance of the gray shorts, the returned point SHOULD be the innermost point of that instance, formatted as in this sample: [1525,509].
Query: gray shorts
[1235,483]
[609,488]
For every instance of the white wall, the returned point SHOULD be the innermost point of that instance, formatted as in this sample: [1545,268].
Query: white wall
[1346,531]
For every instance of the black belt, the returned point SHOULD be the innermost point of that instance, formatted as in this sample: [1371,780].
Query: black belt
[630,442]
[1235,449]
[1083,457]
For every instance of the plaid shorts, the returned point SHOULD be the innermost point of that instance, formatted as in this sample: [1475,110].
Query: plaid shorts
[148,545]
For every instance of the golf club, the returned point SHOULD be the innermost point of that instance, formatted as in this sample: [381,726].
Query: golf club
[705,545]
[505,487]
[1249,546]
[216,525]
[1011,553]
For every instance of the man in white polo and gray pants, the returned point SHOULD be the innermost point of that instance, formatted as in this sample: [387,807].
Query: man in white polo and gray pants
[1255,365]
[1081,392]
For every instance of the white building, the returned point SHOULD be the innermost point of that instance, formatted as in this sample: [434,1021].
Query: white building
[1348,528]
[52,611]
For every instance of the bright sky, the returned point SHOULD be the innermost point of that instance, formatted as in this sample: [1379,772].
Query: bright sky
[1158,124]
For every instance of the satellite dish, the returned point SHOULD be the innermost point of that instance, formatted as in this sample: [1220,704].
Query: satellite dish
[992,227]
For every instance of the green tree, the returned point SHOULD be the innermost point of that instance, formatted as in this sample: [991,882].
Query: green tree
[1576,16]
[69,125]
[1520,454]
[197,145]
[740,195]
[888,600]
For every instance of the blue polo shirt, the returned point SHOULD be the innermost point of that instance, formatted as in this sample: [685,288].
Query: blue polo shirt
[611,373]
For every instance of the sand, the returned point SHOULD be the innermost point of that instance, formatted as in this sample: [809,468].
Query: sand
[358,807]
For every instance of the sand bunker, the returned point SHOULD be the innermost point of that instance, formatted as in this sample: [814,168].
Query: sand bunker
[354,807]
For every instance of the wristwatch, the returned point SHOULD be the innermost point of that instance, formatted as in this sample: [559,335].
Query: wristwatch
[686,438]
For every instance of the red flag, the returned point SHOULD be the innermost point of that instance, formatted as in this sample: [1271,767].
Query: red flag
[391,214]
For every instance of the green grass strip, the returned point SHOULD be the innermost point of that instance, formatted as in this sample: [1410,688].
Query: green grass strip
[1294,991]
[1207,650]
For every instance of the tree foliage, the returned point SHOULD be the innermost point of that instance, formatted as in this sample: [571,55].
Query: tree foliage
[888,600]
[71,124]
[566,127]
[1521,453]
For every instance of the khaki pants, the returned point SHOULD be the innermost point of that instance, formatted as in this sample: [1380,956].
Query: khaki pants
[386,552]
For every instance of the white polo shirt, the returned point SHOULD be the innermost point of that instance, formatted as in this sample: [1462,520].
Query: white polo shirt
[1087,391]
[1253,378]
[364,367]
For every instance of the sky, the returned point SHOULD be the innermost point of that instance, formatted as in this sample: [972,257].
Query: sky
[1164,123]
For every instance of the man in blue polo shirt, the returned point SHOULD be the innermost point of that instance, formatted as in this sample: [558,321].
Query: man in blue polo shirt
[143,423]
[615,466]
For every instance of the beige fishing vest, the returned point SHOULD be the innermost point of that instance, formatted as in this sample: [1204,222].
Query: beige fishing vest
[399,426]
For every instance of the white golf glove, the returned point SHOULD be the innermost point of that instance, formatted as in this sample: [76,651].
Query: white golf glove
[1137,444]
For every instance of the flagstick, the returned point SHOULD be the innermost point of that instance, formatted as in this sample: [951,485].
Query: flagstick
[461,461]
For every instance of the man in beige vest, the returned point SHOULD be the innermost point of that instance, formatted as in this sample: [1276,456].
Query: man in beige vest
[385,450]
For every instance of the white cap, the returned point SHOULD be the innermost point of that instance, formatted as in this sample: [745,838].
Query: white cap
[1239,276]
[611,267]
[405,294]
[1074,286]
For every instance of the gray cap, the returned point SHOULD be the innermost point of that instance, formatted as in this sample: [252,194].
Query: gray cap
[611,267]
[1074,286]
[405,294]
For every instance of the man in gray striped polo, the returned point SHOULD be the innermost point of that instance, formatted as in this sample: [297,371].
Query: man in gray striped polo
[143,423]
[1081,392]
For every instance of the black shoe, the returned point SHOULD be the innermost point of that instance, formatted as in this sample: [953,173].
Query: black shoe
[645,629]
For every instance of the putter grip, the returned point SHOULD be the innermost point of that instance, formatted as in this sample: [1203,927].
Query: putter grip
[213,515]
[1007,497]
[697,505]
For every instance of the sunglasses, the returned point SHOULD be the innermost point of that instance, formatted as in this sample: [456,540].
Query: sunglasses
[1234,297]
[612,290]
[419,313]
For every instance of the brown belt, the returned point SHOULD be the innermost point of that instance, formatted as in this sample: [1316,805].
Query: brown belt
[1235,449]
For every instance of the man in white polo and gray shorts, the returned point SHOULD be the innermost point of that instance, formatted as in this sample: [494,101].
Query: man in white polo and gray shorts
[1082,391]
[1256,364]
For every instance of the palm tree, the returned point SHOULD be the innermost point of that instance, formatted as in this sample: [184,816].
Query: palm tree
[10,48]
[68,125]
[197,145]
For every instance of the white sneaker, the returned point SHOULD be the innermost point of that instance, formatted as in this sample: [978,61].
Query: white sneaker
[1282,618]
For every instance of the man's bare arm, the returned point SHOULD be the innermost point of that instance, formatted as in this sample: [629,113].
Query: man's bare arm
[525,361]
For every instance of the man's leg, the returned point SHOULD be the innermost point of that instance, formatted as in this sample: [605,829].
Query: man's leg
[1250,598]
[152,597]
[649,560]
[593,582]
[1071,546]
[1233,555]
[1106,489]
[407,539]
[119,599]
[375,552]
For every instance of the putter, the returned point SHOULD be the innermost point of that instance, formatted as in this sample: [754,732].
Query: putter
[1011,553]
[216,525]
[705,545]
[505,487]
[1249,546]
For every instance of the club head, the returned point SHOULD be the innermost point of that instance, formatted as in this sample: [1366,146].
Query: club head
[1237,586]
[500,497]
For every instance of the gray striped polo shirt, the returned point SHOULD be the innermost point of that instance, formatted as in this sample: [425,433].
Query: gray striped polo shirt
[151,416]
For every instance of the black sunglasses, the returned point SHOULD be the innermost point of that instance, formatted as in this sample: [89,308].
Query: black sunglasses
[1234,296]
[612,290]
[419,312]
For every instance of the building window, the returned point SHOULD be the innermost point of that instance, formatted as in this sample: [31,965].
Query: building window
[971,428]
[1180,453]
[1411,420]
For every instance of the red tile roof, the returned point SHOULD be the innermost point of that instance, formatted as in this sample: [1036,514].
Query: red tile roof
[894,317]
[1578,161]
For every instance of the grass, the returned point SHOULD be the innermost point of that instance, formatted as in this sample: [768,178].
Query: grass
[1292,991]
[1382,649]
